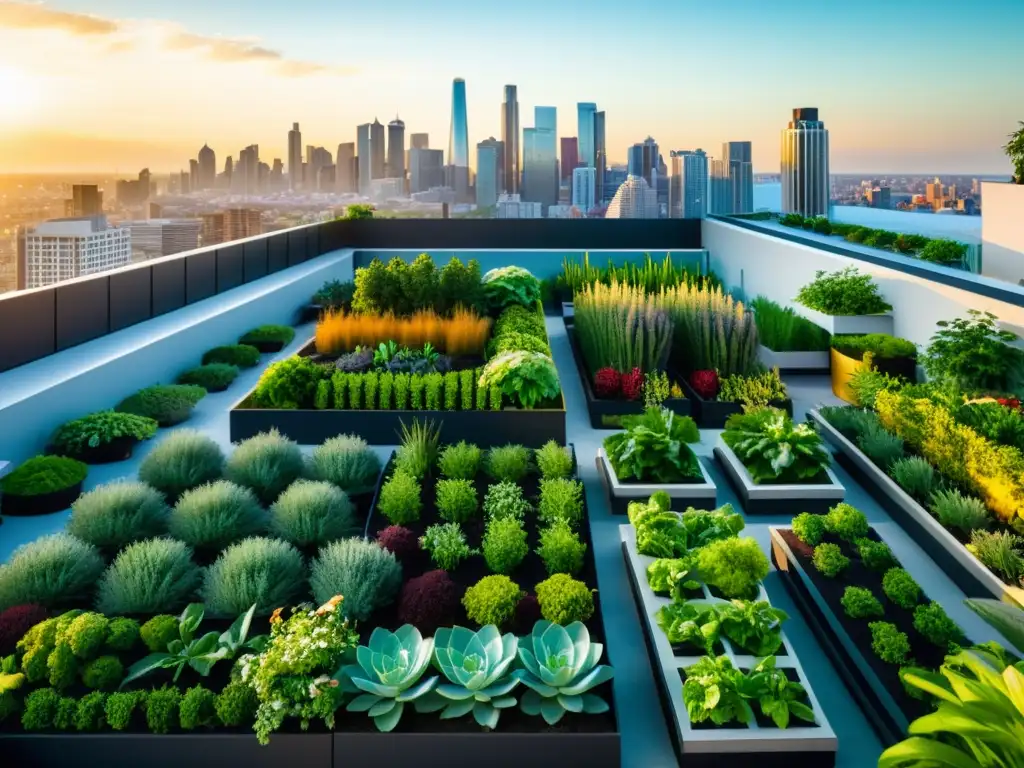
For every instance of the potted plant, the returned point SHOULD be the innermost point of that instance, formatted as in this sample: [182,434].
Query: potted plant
[269,338]
[652,455]
[102,437]
[1014,149]
[788,341]
[774,463]
[717,398]
[847,301]
[42,485]
[889,355]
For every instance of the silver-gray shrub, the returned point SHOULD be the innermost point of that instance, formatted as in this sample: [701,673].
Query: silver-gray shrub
[366,575]
[267,464]
[313,512]
[52,570]
[183,460]
[269,573]
[152,576]
[215,515]
[117,514]
[348,462]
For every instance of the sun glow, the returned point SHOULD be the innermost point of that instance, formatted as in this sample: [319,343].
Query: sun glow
[19,96]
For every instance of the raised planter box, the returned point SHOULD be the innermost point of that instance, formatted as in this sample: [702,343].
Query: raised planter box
[607,414]
[965,570]
[799,746]
[856,324]
[711,414]
[194,750]
[767,499]
[40,504]
[794,362]
[697,495]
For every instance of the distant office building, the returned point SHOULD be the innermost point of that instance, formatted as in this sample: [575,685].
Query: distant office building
[643,160]
[378,156]
[232,224]
[634,199]
[688,185]
[327,178]
[86,200]
[570,158]
[295,157]
[880,197]
[740,166]
[584,188]
[614,178]
[563,212]
[805,164]
[363,142]
[540,158]
[193,174]
[396,149]
[63,249]
[510,140]
[585,112]
[719,187]
[489,182]
[277,175]
[426,169]
[933,193]
[512,207]
[345,168]
[419,141]
[458,144]
[246,179]
[600,159]
[207,168]
[135,192]
[316,158]
[382,190]
[153,237]
[229,172]
[184,184]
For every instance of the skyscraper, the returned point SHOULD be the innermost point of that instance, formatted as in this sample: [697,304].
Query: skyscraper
[458,143]
[488,172]
[584,188]
[316,158]
[419,141]
[377,156]
[86,200]
[207,168]
[570,158]
[719,187]
[540,160]
[600,157]
[510,140]
[805,165]
[634,199]
[363,149]
[426,169]
[193,172]
[688,185]
[396,149]
[295,157]
[345,170]
[247,173]
[737,156]
[585,112]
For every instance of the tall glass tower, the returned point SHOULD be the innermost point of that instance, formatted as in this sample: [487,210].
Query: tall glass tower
[540,158]
[805,171]
[458,144]
[585,112]
[510,140]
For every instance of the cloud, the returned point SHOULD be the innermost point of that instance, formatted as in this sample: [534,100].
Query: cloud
[18,15]
[232,51]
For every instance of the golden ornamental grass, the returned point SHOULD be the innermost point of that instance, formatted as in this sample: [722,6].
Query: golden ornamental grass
[462,334]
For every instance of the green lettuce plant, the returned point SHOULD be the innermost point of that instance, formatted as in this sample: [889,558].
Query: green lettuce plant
[510,285]
[774,449]
[659,533]
[756,627]
[526,378]
[654,448]
[692,622]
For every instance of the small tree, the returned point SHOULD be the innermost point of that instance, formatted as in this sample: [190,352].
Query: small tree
[1015,151]
[358,212]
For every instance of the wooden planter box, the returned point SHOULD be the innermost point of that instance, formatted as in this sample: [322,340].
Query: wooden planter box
[799,746]
[963,568]
[764,499]
[711,414]
[794,362]
[702,495]
[850,324]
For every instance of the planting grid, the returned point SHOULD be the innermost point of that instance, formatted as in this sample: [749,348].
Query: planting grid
[754,738]
[646,742]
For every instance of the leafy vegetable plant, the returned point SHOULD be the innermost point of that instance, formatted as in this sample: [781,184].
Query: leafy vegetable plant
[654,448]
[774,449]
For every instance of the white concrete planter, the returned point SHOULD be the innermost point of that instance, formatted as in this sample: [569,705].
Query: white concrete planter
[793,361]
[960,565]
[856,324]
[811,746]
[777,499]
[697,495]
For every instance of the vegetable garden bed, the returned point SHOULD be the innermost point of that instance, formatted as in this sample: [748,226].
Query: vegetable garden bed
[698,495]
[942,546]
[759,742]
[712,414]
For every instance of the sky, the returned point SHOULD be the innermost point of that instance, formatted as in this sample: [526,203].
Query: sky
[916,86]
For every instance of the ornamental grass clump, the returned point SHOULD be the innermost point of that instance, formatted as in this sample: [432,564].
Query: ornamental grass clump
[184,460]
[267,573]
[463,334]
[267,464]
[311,513]
[783,330]
[622,328]
[117,514]
[348,462]
[52,570]
[147,577]
[368,575]
[215,515]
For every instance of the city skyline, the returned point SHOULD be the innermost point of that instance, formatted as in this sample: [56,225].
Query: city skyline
[270,67]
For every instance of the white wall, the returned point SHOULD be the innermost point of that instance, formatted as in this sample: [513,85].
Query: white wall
[778,268]
[1002,231]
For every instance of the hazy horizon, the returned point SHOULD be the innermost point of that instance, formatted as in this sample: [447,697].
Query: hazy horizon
[111,86]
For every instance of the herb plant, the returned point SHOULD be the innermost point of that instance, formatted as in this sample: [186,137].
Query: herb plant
[830,560]
[974,353]
[504,544]
[860,603]
[654,448]
[774,449]
[888,643]
[102,428]
[561,549]
[735,566]
[446,544]
[492,600]
[900,587]
[460,461]
[527,378]
[553,460]
[846,292]
[456,500]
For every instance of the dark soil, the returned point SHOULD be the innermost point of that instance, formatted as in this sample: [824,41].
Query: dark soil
[922,652]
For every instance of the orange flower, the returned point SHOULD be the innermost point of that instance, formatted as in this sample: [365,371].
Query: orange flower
[275,617]
[329,606]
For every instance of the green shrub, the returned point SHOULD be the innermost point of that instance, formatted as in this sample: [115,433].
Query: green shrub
[783,330]
[521,320]
[508,286]
[881,446]
[959,512]
[564,600]
[432,392]
[845,292]
[460,285]
[875,555]
[149,576]
[915,476]
[810,529]
[335,294]
[185,460]
[900,587]
[508,463]
[281,334]
[99,429]
[849,420]
[456,500]
[63,666]
[236,705]
[40,710]
[121,707]
[198,709]
[526,378]
[44,474]
[90,715]
[240,355]
[291,383]
[86,633]
[159,631]
[417,453]
[215,377]
[122,634]
[446,544]
[52,570]
[553,460]
[1001,552]
[466,380]
[888,643]
[460,461]
[162,707]
[365,574]
[267,573]
[348,462]
[492,600]
[846,522]
[215,515]
[104,673]
[312,513]
[561,549]
[859,603]
[399,499]
[504,545]
[830,560]
[267,463]
[932,622]
[511,341]
[560,499]
[734,566]
[117,514]
[167,404]
[881,345]
[505,500]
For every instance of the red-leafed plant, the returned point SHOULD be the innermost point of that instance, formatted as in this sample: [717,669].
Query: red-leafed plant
[399,541]
[1009,402]
[705,384]
[632,384]
[15,622]
[429,601]
[607,383]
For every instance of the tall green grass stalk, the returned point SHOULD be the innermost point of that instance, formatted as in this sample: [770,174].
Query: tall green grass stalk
[783,330]
[619,327]
[650,275]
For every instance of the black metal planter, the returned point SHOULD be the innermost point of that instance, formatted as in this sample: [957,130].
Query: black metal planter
[39,504]
[712,414]
[118,449]
[266,347]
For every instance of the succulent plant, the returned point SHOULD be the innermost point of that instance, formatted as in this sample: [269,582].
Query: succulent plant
[560,669]
[355,362]
[389,673]
[632,384]
[607,382]
[705,384]
[476,667]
